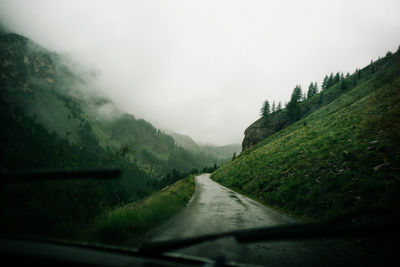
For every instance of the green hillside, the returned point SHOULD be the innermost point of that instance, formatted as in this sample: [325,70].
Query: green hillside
[43,87]
[345,156]
[303,103]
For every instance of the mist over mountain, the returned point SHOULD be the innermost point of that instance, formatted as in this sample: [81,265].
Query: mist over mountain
[121,122]
[49,90]
[222,153]
[200,68]
[53,117]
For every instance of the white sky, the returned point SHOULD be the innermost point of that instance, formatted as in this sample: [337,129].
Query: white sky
[204,68]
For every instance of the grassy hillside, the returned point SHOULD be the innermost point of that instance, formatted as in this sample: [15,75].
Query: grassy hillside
[332,88]
[345,156]
[133,220]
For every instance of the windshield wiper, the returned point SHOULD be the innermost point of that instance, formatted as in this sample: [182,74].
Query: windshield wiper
[53,174]
[330,229]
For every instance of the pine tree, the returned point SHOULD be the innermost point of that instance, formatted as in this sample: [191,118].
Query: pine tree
[343,85]
[336,79]
[312,90]
[293,108]
[321,97]
[265,110]
[325,83]
[279,106]
[315,88]
[273,107]
[331,81]
[215,167]
[296,94]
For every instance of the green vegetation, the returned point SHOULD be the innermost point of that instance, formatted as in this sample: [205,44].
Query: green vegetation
[265,109]
[303,104]
[38,84]
[343,155]
[150,148]
[133,220]
[64,208]
[47,121]
[312,90]
[293,107]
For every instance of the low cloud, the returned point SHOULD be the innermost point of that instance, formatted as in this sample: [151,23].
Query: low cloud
[203,68]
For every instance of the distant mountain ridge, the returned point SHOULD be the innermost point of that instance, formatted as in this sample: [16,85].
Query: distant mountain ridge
[222,153]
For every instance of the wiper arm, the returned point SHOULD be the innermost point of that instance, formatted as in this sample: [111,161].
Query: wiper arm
[286,232]
[54,174]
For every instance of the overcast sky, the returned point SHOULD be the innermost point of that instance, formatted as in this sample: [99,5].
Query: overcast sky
[204,68]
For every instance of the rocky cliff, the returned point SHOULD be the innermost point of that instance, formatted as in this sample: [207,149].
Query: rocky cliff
[254,134]
[264,127]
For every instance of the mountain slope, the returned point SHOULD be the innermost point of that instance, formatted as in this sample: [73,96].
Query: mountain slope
[220,153]
[43,87]
[333,87]
[342,157]
[51,119]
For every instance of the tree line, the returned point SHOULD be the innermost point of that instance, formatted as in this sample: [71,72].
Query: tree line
[297,96]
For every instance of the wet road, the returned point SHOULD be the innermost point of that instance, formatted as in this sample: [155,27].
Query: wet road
[215,208]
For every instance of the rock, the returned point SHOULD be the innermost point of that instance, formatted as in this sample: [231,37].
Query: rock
[262,128]
[254,134]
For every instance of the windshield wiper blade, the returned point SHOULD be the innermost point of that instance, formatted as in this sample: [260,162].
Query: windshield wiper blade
[278,233]
[54,174]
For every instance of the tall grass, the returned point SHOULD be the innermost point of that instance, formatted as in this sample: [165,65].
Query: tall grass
[131,221]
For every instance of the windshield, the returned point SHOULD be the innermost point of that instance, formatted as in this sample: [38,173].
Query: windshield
[128,123]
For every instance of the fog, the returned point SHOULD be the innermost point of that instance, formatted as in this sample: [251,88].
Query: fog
[204,68]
